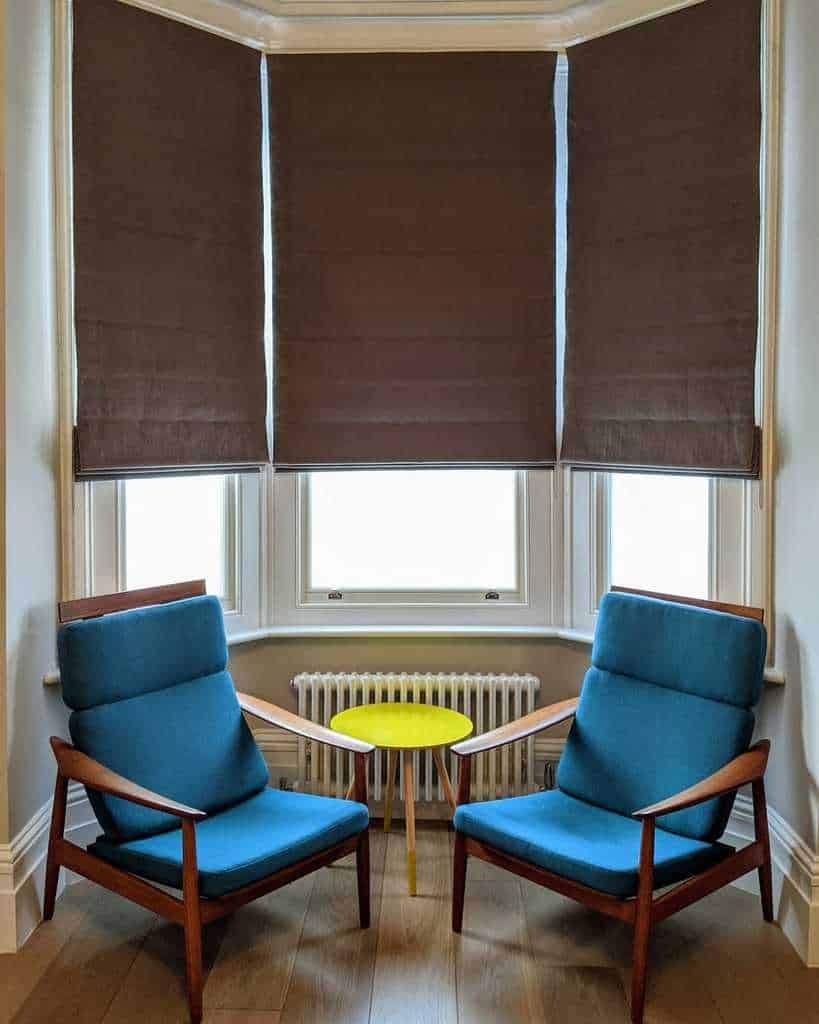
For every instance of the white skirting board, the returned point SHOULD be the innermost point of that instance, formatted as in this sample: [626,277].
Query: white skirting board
[22,867]
[22,862]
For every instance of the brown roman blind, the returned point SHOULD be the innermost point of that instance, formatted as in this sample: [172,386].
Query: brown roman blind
[663,244]
[169,292]
[413,199]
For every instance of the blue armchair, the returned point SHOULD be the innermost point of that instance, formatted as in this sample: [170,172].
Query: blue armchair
[174,776]
[658,747]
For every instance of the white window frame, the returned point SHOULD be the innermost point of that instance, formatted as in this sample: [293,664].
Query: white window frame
[101,544]
[295,603]
[566,553]
[736,522]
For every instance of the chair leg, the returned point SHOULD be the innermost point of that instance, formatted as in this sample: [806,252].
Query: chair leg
[762,836]
[193,921]
[362,863]
[52,877]
[642,923]
[459,882]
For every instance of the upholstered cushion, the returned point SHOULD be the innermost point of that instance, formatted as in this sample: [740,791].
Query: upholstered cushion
[189,742]
[118,656]
[588,844]
[681,647]
[253,839]
[633,743]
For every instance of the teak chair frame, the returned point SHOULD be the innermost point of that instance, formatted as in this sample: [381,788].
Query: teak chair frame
[192,912]
[645,910]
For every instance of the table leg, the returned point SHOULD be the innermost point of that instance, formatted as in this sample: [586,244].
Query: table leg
[443,775]
[392,767]
[409,810]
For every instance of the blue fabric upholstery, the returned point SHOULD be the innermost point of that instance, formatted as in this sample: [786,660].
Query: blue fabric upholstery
[665,703]
[682,647]
[577,840]
[189,742]
[261,835]
[118,656]
[633,743]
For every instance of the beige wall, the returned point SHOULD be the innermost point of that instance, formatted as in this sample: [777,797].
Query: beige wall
[31,505]
[266,668]
[791,715]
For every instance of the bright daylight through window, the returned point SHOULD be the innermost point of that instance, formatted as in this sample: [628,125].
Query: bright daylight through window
[413,530]
[176,529]
[660,533]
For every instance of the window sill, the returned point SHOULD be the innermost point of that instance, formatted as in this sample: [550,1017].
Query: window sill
[772,675]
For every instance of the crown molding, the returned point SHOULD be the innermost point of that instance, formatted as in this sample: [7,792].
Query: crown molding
[277,26]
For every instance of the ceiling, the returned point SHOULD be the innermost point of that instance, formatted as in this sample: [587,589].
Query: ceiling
[361,25]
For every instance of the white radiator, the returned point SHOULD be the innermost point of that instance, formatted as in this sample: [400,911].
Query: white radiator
[488,700]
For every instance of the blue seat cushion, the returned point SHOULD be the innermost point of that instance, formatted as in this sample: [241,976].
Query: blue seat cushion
[693,650]
[247,842]
[590,845]
[633,743]
[118,656]
[189,742]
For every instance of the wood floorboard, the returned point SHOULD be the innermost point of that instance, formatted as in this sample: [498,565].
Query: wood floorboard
[19,974]
[154,988]
[584,995]
[332,977]
[241,1017]
[255,961]
[497,977]
[415,965]
[298,956]
[89,969]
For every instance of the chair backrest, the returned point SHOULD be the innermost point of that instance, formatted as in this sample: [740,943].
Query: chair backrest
[666,702]
[151,699]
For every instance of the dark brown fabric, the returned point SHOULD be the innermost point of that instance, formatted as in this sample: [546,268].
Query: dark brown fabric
[414,239]
[168,246]
[663,243]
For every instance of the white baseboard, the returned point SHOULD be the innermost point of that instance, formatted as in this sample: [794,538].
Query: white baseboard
[22,867]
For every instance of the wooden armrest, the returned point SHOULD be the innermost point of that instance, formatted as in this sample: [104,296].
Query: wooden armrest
[542,718]
[743,769]
[73,764]
[274,715]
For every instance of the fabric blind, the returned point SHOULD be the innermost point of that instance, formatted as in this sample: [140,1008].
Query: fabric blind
[169,294]
[663,243]
[413,199]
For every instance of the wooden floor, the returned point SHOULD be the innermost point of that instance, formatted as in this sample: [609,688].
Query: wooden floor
[299,956]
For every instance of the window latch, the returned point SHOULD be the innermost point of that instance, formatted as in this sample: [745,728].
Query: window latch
[491,595]
[335,595]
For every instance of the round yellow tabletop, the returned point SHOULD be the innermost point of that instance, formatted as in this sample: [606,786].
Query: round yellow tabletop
[403,726]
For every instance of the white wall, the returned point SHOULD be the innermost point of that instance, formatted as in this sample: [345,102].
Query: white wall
[791,715]
[31,507]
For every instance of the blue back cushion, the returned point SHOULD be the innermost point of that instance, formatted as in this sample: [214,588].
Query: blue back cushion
[666,703]
[122,655]
[167,718]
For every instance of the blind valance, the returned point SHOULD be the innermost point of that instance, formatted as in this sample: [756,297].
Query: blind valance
[169,293]
[663,244]
[413,199]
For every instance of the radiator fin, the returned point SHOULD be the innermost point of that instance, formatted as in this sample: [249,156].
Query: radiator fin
[489,700]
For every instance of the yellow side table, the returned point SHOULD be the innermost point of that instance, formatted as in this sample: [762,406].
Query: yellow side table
[406,727]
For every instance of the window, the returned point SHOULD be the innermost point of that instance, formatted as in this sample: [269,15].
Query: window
[413,530]
[660,530]
[178,529]
[146,532]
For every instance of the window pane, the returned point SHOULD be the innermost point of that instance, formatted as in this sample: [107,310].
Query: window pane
[413,530]
[659,533]
[175,530]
